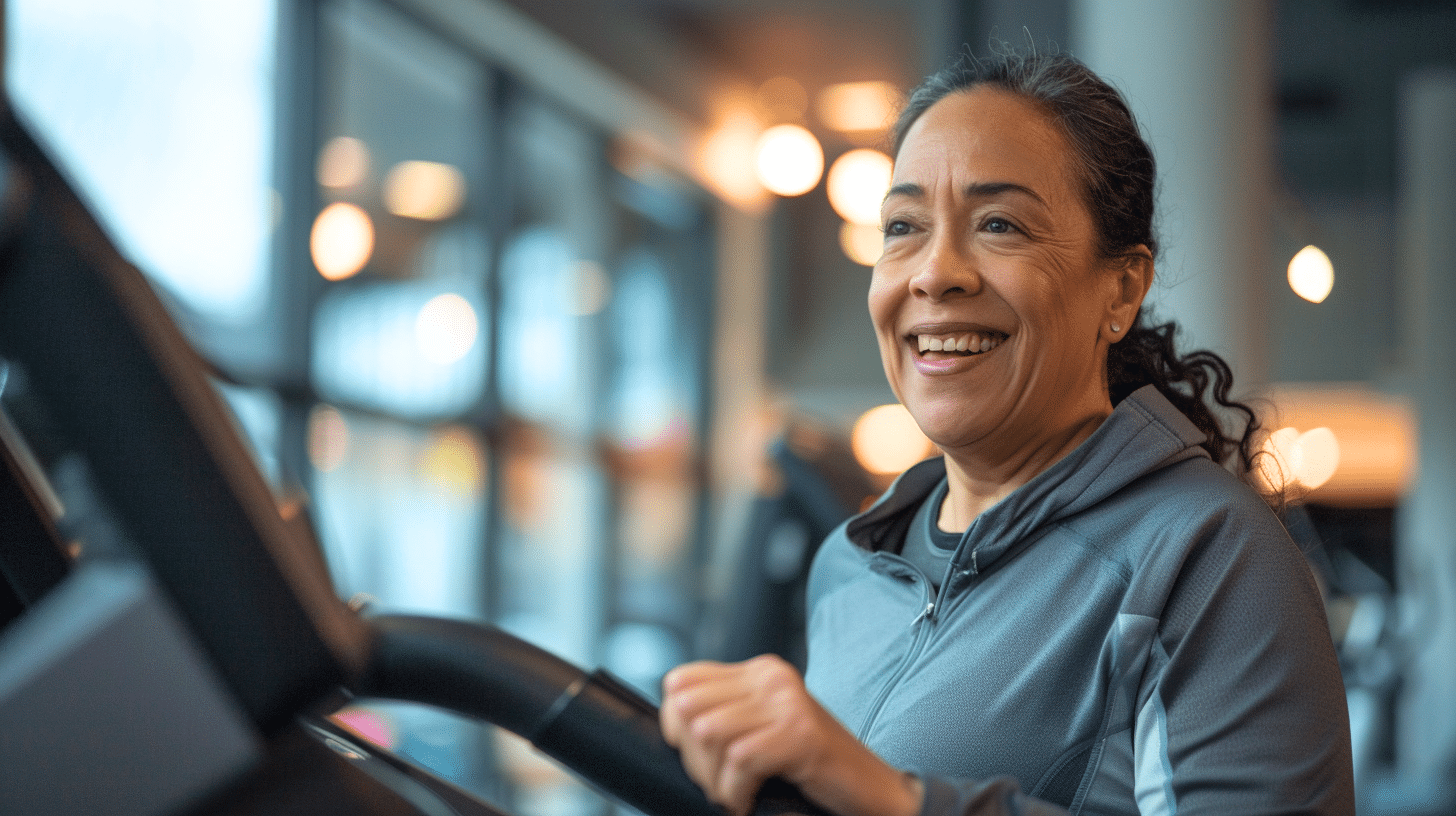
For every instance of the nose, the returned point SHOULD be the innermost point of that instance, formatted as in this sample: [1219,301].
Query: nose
[947,271]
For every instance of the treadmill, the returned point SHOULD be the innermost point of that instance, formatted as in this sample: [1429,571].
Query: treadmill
[180,655]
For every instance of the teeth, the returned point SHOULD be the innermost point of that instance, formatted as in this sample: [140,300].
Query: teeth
[974,342]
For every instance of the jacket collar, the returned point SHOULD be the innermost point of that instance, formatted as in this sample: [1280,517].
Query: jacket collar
[1144,433]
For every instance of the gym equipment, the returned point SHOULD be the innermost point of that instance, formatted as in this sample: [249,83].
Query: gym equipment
[181,666]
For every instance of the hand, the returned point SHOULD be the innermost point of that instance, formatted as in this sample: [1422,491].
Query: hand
[738,724]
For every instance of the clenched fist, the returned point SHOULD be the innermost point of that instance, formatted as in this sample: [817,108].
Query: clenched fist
[738,724]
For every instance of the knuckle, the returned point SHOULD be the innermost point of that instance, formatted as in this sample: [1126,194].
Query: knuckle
[703,730]
[742,757]
[674,711]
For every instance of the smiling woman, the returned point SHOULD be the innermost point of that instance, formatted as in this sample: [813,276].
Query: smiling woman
[1078,608]
[988,242]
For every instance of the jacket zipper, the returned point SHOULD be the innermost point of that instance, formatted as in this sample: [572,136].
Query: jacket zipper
[921,624]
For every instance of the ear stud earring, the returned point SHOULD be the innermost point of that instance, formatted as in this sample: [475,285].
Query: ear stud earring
[1116,328]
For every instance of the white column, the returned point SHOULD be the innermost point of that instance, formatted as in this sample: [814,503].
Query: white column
[1426,525]
[1198,76]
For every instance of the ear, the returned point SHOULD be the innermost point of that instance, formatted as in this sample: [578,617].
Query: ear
[1129,276]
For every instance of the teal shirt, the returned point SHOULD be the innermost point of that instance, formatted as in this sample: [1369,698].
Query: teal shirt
[927,546]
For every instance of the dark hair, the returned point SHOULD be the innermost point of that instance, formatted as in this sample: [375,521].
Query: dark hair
[1118,177]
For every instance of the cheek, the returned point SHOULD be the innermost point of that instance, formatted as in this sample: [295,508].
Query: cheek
[881,304]
[1061,307]
[882,308]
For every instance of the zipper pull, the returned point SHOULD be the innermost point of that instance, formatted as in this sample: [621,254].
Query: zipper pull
[924,613]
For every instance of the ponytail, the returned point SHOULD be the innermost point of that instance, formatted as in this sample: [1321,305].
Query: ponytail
[1193,382]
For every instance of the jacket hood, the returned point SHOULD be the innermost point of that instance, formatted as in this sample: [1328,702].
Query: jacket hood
[1144,433]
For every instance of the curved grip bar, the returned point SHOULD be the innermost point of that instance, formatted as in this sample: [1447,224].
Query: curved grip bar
[592,723]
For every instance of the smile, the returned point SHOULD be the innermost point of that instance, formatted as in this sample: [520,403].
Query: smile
[964,343]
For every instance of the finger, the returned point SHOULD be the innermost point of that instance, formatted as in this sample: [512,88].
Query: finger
[681,710]
[693,693]
[722,724]
[708,737]
[689,674]
[747,763]
[772,674]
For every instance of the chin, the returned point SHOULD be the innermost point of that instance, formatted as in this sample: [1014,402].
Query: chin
[948,428]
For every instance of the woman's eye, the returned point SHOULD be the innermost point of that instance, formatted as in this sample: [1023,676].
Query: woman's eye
[998,225]
[897,228]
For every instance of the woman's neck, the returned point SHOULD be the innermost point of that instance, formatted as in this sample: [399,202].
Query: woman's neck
[979,479]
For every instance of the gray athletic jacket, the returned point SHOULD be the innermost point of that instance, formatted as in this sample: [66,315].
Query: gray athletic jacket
[1132,631]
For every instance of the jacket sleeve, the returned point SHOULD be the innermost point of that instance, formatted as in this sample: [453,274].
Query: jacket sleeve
[1242,707]
[991,797]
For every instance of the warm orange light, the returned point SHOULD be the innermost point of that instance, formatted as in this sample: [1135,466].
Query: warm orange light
[858,181]
[861,243]
[857,106]
[1299,460]
[429,191]
[886,440]
[328,438]
[341,241]
[789,160]
[725,158]
[344,162]
[1311,275]
[1370,450]
[783,98]
[445,328]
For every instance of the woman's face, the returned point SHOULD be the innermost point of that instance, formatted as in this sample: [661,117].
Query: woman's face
[990,303]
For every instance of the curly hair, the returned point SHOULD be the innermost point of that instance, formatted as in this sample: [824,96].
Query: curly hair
[1118,178]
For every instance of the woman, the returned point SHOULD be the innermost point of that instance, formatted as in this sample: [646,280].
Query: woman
[1077,607]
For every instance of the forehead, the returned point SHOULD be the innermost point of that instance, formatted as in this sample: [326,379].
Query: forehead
[987,134]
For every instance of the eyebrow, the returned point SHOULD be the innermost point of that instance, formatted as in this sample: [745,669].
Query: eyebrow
[985,189]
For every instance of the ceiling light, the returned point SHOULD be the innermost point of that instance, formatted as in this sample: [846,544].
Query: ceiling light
[789,160]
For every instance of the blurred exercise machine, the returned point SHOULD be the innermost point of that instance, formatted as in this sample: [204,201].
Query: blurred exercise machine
[813,483]
[185,661]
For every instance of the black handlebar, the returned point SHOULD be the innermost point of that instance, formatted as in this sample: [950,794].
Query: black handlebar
[592,723]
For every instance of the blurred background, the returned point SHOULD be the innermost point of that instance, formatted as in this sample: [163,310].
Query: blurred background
[551,312]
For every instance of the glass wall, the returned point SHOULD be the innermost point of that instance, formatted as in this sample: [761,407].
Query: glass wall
[486,371]
[509,363]
[161,110]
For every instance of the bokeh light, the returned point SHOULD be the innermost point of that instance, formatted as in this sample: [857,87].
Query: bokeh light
[445,328]
[858,181]
[454,462]
[725,158]
[857,106]
[789,160]
[886,440]
[1376,431]
[783,98]
[344,162]
[1311,275]
[341,241]
[861,243]
[328,438]
[1303,460]
[429,191]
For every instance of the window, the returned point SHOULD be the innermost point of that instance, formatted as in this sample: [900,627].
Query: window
[478,345]
[161,111]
